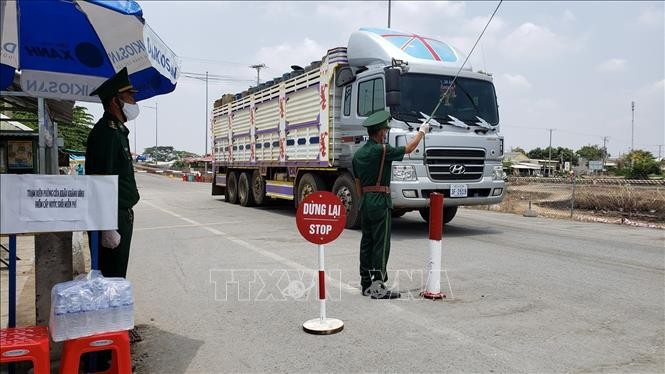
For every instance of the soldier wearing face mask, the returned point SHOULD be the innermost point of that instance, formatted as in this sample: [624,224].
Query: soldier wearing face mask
[108,153]
[371,165]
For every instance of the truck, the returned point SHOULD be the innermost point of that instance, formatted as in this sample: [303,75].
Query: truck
[296,134]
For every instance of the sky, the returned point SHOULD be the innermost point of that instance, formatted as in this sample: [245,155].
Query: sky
[573,67]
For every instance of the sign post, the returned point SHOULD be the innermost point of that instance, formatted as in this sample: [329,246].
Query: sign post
[320,219]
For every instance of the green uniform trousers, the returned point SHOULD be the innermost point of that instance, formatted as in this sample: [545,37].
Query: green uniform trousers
[375,244]
[113,261]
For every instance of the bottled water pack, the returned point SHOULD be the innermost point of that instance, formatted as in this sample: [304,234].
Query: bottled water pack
[89,305]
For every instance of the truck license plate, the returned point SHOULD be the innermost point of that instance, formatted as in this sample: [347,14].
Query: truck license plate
[458,190]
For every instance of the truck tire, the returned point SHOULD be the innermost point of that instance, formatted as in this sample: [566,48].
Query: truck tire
[258,184]
[232,188]
[309,183]
[345,189]
[245,195]
[448,213]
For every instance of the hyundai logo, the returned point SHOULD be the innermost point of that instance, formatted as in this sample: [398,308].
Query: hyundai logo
[457,169]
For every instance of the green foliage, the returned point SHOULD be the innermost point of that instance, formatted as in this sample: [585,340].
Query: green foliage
[591,152]
[639,164]
[518,149]
[75,134]
[558,154]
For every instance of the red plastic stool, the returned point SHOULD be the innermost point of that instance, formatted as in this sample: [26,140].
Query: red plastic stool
[117,342]
[26,344]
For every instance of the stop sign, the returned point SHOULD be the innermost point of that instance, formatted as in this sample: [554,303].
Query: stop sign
[321,217]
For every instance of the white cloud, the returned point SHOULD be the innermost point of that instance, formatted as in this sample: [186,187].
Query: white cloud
[532,42]
[613,65]
[516,80]
[476,24]
[652,17]
[568,16]
[279,58]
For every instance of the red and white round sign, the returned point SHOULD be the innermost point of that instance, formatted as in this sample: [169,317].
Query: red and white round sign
[321,217]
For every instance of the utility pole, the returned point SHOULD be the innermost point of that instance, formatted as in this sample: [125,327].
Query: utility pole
[660,146]
[549,162]
[632,126]
[389,13]
[156,122]
[206,124]
[135,150]
[258,68]
[604,152]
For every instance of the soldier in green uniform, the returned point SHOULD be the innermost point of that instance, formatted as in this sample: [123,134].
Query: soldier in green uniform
[107,153]
[372,164]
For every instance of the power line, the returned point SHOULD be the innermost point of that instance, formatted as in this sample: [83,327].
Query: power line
[220,62]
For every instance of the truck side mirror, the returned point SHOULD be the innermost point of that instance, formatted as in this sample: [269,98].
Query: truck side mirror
[344,76]
[393,94]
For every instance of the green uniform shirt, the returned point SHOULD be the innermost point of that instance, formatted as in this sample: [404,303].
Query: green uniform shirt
[366,162]
[107,153]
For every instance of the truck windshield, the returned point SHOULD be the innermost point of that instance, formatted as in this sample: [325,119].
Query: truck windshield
[466,100]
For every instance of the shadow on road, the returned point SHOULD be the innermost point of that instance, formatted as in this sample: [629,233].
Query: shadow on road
[160,351]
[414,228]
[407,227]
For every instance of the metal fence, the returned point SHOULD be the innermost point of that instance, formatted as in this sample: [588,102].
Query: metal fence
[603,200]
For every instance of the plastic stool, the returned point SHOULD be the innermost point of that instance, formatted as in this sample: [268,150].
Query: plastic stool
[117,342]
[26,344]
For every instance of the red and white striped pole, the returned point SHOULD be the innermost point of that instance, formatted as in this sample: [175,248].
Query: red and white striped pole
[322,286]
[433,285]
[322,325]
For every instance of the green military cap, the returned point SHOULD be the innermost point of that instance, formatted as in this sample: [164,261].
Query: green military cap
[379,119]
[114,85]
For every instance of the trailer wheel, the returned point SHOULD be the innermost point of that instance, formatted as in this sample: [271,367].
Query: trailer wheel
[245,195]
[232,188]
[448,213]
[345,189]
[309,183]
[258,188]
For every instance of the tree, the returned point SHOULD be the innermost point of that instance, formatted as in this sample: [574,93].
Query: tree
[565,154]
[518,150]
[161,153]
[591,152]
[74,134]
[638,164]
[539,153]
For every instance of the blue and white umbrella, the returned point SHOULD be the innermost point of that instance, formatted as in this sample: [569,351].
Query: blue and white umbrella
[65,49]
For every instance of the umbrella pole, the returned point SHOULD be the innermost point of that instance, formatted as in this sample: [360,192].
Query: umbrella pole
[41,116]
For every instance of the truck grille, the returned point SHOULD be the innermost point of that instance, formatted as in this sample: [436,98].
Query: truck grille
[455,164]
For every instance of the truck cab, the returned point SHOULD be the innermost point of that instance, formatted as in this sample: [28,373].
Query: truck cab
[461,156]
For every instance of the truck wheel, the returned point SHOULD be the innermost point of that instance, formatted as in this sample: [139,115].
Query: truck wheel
[345,189]
[448,213]
[258,188]
[245,195]
[232,188]
[309,183]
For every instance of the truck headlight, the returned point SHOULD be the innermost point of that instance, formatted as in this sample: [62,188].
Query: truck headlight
[404,173]
[498,172]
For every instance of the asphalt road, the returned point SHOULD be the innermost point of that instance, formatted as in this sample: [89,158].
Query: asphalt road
[216,288]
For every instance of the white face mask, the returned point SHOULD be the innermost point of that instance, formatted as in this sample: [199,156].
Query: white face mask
[131,111]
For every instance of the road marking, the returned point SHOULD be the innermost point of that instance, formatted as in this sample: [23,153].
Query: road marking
[406,315]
